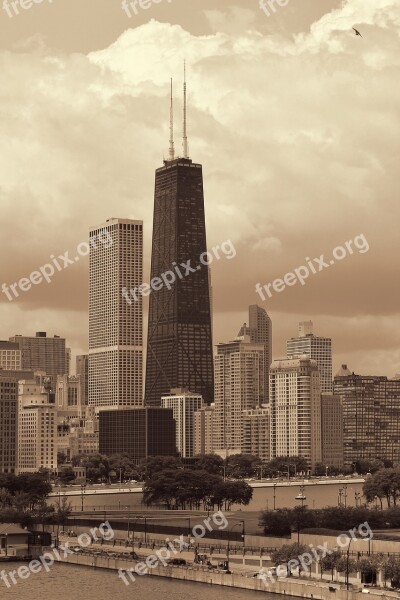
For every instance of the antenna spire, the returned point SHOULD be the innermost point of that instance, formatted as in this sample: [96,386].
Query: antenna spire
[171,128]
[185,139]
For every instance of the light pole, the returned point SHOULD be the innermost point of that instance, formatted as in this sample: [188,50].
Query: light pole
[275,495]
[348,563]
[229,539]
[83,489]
[302,497]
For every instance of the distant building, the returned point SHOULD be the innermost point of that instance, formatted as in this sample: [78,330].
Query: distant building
[69,398]
[10,356]
[37,427]
[42,353]
[8,424]
[371,416]
[82,371]
[204,430]
[137,432]
[239,386]
[83,441]
[184,404]
[295,401]
[317,348]
[260,332]
[256,437]
[332,430]
[116,321]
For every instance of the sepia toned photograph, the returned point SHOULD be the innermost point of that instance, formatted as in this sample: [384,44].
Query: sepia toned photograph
[199,307]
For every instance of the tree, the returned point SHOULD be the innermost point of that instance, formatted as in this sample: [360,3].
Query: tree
[124,466]
[385,483]
[212,463]
[276,522]
[61,458]
[391,570]
[155,464]
[66,475]
[242,465]
[288,552]
[329,562]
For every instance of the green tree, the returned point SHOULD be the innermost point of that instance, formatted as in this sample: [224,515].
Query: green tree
[330,562]
[212,463]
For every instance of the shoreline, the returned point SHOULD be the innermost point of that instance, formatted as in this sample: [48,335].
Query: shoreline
[104,491]
[315,590]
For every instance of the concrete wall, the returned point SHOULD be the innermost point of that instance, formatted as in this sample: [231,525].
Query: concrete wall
[289,587]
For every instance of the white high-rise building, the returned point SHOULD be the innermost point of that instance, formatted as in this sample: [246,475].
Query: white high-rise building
[37,427]
[317,348]
[184,405]
[239,386]
[295,402]
[256,438]
[116,320]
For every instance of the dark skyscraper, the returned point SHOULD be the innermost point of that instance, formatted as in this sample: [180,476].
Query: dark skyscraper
[179,347]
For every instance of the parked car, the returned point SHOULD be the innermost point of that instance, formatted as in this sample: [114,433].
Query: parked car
[177,561]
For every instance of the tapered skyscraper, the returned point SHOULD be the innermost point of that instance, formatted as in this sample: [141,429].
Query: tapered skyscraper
[179,347]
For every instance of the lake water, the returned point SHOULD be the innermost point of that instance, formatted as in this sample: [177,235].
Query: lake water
[67,581]
[318,495]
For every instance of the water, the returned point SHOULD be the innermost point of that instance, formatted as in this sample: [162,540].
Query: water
[68,581]
[318,495]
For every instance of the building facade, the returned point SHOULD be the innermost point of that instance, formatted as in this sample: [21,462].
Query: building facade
[137,432]
[69,398]
[260,332]
[184,404]
[295,403]
[256,438]
[42,353]
[317,348]
[371,417]
[10,356]
[82,371]
[115,319]
[179,346]
[239,386]
[332,430]
[37,427]
[8,424]
[204,431]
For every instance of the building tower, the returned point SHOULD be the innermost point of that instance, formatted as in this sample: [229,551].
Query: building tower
[239,387]
[260,332]
[295,403]
[317,348]
[179,346]
[116,321]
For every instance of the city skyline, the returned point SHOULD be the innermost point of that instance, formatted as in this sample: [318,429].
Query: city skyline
[361,318]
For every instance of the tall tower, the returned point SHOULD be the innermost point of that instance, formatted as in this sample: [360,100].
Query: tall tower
[260,332]
[295,404]
[116,325]
[179,346]
[317,348]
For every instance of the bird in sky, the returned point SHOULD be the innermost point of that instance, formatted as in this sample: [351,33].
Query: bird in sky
[357,32]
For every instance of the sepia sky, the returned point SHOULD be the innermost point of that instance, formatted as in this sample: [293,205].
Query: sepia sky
[294,118]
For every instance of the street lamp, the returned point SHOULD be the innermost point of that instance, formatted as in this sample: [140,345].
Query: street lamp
[275,484]
[302,497]
[229,539]
[83,489]
[347,563]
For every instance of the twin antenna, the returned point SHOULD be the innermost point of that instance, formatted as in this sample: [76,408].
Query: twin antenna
[171,122]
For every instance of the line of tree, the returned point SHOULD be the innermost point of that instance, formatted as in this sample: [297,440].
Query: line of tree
[194,489]
[23,500]
[283,521]
[337,561]
[384,485]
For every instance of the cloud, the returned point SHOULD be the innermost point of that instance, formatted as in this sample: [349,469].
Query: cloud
[298,136]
